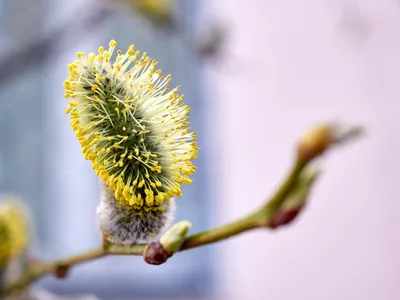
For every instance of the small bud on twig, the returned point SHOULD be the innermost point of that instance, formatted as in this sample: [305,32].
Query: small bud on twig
[319,138]
[155,254]
[284,217]
[173,239]
[61,271]
[296,200]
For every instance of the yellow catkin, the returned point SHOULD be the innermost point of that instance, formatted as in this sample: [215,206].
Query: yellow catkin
[14,234]
[131,126]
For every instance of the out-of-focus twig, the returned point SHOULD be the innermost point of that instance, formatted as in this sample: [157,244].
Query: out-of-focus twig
[208,44]
[160,13]
[38,49]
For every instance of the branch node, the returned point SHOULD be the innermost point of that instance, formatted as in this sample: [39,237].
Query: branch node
[106,244]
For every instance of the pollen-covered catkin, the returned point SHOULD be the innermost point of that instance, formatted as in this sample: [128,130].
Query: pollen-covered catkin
[134,130]
[14,228]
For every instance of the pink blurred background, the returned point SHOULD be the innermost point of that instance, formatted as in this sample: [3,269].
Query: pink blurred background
[309,61]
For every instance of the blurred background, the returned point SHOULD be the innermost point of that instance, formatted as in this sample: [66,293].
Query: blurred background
[256,74]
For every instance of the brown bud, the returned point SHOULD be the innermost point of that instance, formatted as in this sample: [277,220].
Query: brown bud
[155,254]
[284,217]
[61,271]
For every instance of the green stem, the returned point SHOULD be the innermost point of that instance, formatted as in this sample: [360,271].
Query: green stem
[223,232]
[277,200]
[127,250]
[97,253]
[258,219]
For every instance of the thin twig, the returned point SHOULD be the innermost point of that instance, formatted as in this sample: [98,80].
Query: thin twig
[271,215]
[258,219]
